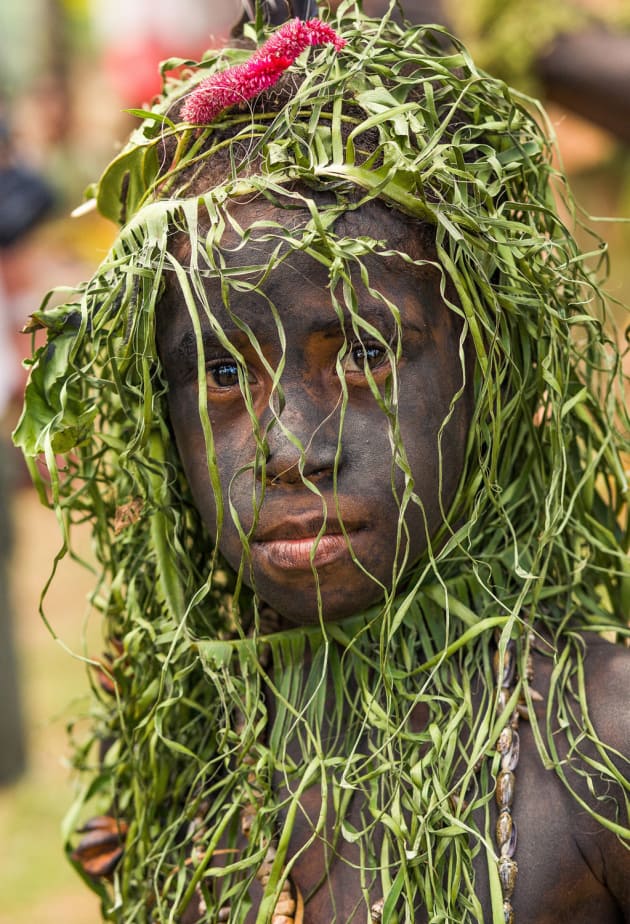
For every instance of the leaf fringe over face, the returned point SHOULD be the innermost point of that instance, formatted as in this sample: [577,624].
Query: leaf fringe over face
[541,529]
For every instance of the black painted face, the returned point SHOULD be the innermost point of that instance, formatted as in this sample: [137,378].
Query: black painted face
[323,513]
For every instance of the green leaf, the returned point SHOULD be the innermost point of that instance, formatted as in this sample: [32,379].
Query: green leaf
[124,184]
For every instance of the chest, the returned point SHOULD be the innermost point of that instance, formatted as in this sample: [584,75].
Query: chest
[338,881]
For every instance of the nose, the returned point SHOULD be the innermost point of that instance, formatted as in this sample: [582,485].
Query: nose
[302,439]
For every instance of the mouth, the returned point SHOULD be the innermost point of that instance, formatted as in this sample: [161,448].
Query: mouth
[302,544]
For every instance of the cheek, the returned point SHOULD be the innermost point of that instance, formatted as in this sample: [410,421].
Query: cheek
[234,448]
[433,434]
[193,453]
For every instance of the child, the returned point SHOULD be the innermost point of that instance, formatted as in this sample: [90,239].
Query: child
[342,410]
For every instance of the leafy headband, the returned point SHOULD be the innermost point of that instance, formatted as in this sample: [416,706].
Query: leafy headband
[403,116]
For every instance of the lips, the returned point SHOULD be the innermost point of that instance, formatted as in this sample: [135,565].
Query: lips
[301,544]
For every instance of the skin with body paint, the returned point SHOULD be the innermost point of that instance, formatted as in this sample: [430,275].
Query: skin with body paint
[326,511]
[327,503]
[351,478]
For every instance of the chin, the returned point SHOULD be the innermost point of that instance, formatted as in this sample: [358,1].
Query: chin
[304,609]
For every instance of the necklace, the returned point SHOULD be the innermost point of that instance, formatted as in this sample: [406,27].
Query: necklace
[508,747]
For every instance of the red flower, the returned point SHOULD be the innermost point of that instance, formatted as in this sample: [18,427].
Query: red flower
[244,81]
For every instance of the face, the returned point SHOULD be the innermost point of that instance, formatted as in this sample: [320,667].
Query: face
[321,494]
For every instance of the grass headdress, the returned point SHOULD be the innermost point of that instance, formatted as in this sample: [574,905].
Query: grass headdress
[537,540]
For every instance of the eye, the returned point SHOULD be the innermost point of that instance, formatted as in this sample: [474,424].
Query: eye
[222,374]
[372,355]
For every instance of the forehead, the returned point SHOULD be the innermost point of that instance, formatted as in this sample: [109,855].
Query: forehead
[273,267]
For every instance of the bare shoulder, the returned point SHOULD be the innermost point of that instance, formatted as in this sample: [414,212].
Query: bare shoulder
[602,674]
[571,796]
[607,682]
[606,729]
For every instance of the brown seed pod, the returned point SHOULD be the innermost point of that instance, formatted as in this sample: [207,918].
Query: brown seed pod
[104,667]
[509,760]
[507,875]
[504,827]
[376,911]
[504,741]
[504,792]
[507,847]
[502,701]
[128,514]
[99,852]
[505,666]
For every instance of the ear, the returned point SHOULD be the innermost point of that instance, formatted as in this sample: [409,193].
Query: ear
[275,12]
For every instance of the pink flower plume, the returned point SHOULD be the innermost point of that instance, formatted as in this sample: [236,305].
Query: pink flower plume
[264,68]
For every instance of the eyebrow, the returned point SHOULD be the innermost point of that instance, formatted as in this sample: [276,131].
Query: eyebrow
[379,316]
[352,324]
[186,347]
